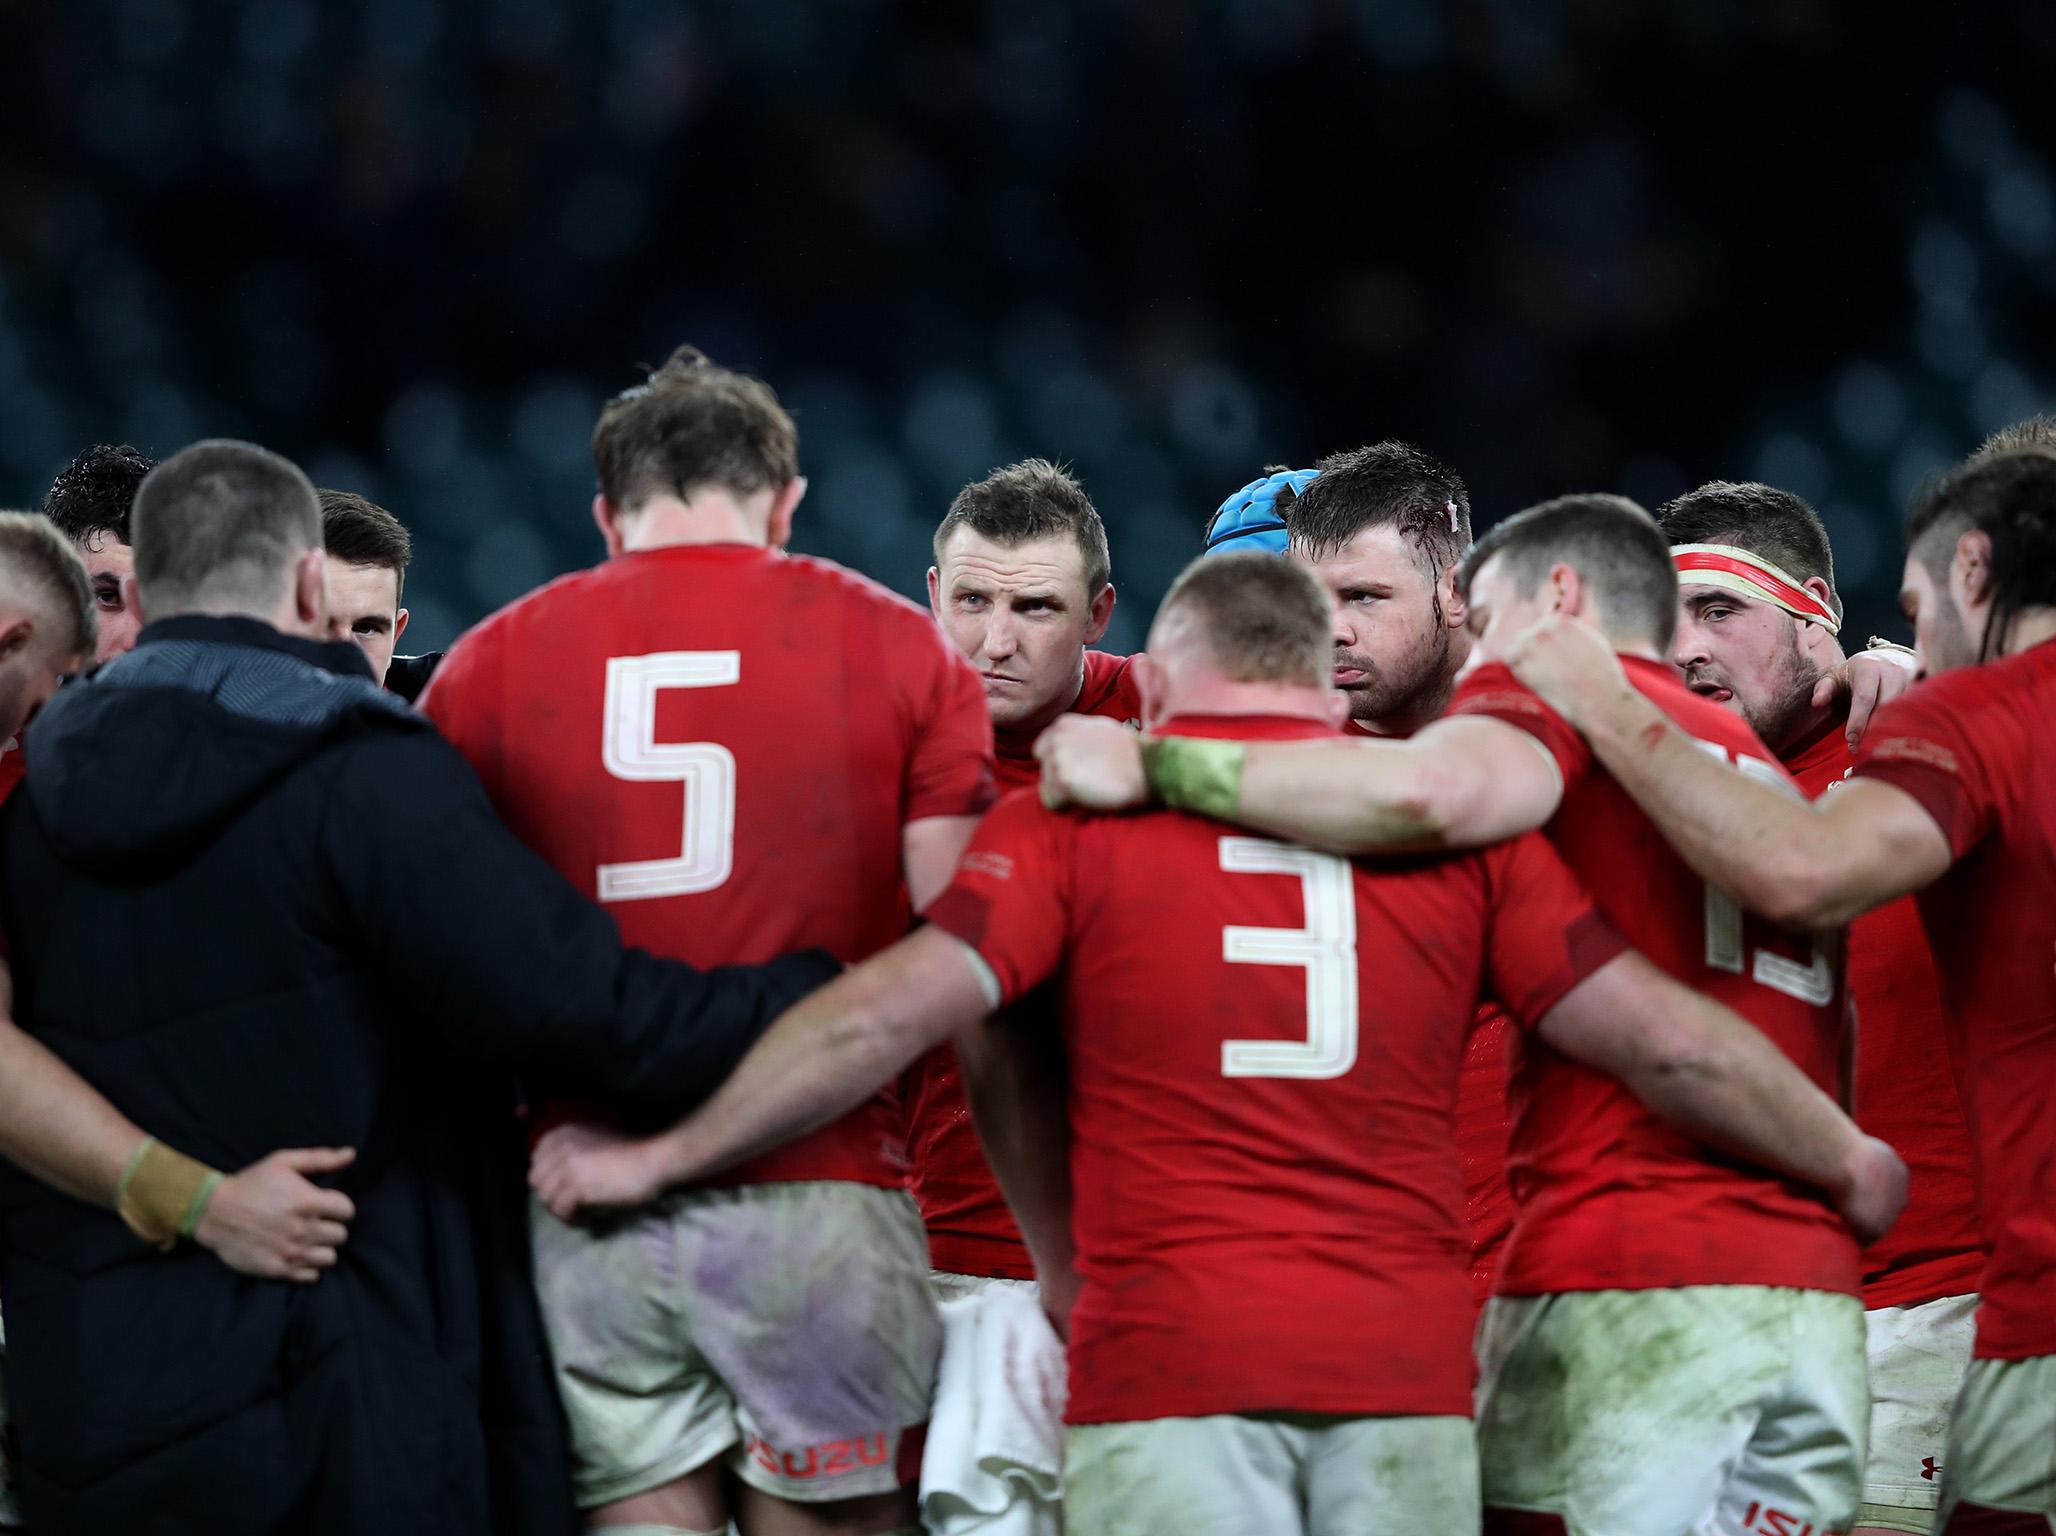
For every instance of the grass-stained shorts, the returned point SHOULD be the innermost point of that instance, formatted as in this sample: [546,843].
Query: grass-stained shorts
[1713,1408]
[788,1326]
[2002,1443]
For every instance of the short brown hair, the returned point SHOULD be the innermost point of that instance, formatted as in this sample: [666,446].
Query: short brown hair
[358,531]
[221,519]
[1265,620]
[1608,540]
[2037,431]
[37,556]
[1386,483]
[1031,500]
[692,424]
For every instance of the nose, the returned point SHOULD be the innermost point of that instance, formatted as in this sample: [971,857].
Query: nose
[1688,648]
[1000,639]
[1344,634]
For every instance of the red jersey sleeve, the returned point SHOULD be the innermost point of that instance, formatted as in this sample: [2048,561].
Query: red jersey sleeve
[1011,898]
[1494,691]
[463,699]
[950,767]
[1545,935]
[1920,746]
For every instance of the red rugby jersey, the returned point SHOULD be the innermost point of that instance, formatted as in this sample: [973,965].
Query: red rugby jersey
[1263,1045]
[722,743]
[1905,1090]
[1611,1198]
[1975,747]
[970,1229]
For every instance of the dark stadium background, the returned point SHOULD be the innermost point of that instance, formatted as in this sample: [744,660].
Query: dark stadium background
[1566,244]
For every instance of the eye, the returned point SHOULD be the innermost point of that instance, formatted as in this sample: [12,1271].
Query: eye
[969,600]
[1715,614]
[109,601]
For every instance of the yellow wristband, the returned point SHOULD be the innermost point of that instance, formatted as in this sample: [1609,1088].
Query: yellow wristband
[164,1193]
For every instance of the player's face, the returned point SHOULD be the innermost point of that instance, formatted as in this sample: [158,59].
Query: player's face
[1748,656]
[1941,636]
[29,678]
[110,568]
[1021,615]
[364,606]
[1395,652]
[1498,611]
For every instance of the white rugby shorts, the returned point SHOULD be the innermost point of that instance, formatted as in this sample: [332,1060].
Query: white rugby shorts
[1702,1411]
[786,1326]
[2002,1445]
[1283,1474]
[1918,1355]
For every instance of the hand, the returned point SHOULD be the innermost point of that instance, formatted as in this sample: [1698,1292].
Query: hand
[272,1222]
[576,1167]
[1873,1190]
[1569,664]
[1868,679]
[1059,1293]
[1091,764]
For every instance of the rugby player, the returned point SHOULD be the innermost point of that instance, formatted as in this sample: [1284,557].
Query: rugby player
[739,752]
[90,502]
[1628,1235]
[1758,622]
[368,553]
[1948,799]
[1022,587]
[1261,1043]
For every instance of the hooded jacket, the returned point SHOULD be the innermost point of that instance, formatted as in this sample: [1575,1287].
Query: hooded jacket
[259,903]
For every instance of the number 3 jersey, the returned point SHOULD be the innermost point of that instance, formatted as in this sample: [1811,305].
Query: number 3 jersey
[1263,1045]
[1610,1197]
[722,743]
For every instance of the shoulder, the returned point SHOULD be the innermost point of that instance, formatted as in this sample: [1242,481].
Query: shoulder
[1491,688]
[1110,688]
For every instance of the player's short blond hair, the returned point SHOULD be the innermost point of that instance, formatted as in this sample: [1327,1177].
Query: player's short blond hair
[38,564]
[1265,620]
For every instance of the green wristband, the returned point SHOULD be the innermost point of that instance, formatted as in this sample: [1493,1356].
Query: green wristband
[1190,774]
[198,1208]
[128,1174]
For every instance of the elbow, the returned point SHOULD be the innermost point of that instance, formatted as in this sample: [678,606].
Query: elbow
[1797,891]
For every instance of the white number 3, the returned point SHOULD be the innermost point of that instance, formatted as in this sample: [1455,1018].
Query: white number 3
[629,748]
[1326,947]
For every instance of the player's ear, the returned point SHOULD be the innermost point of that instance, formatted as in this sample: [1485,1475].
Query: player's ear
[1102,615]
[310,587]
[15,638]
[603,519]
[935,593]
[1149,683]
[1566,592]
[1971,571]
[1450,593]
[783,505]
[399,625]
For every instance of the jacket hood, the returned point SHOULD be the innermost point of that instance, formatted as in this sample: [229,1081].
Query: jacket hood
[140,765]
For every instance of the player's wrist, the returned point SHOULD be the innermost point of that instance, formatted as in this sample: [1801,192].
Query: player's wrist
[1189,774]
[163,1194]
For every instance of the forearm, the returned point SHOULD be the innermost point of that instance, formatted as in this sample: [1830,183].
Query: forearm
[1721,1080]
[1014,1080]
[1347,797]
[1766,847]
[57,1126]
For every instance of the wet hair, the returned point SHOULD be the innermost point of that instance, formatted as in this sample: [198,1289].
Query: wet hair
[96,492]
[1771,524]
[2010,498]
[1386,484]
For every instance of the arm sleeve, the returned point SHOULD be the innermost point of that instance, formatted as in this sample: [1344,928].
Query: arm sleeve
[1917,744]
[1011,898]
[1544,936]
[508,961]
[1492,690]
[950,765]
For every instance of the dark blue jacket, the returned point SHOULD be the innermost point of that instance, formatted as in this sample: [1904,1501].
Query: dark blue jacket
[259,903]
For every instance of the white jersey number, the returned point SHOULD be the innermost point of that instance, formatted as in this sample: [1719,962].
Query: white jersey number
[1725,951]
[1325,948]
[629,748]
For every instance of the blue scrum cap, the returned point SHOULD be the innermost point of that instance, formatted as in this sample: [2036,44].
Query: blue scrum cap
[1249,519]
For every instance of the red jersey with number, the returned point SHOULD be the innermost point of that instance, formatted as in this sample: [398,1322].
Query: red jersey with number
[1262,1045]
[1612,1198]
[1975,747]
[1905,1091]
[722,744]
[970,1229]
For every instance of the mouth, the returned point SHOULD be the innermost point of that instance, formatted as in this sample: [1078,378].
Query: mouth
[1712,691]
[1349,677]
[990,679]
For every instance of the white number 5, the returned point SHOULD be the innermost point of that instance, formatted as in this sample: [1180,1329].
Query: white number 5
[630,749]
[1326,947]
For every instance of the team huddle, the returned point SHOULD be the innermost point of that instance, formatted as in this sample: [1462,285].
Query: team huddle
[1525,1035]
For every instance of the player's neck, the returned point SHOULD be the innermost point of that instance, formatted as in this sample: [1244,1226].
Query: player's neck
[709,518]
[1224,696]
[2030,627]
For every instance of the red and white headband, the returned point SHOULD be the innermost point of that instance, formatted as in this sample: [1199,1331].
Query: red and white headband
[1738,571]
